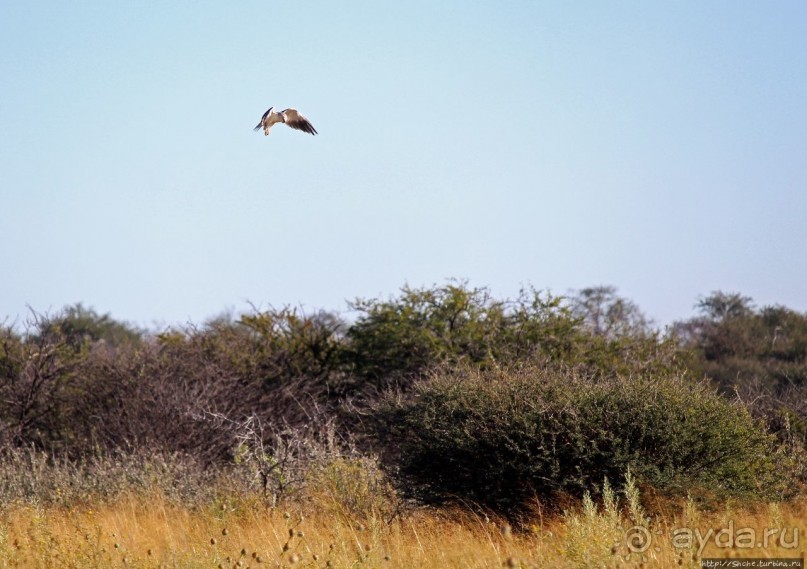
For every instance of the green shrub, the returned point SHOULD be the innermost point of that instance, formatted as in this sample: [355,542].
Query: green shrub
[500,438]
[395,341]
[757,354]
[79,326]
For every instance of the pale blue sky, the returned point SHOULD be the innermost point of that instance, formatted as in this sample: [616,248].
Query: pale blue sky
[658,147]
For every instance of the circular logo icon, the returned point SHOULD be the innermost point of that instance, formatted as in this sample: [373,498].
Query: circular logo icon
[637,539]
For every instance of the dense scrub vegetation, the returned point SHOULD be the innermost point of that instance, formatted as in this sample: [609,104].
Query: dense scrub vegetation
[462,395]
[501,438]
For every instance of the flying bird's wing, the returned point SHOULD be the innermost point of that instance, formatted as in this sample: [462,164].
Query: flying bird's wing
[297,121]
[260,125]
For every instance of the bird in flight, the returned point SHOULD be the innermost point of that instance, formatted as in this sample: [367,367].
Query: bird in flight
[290,117]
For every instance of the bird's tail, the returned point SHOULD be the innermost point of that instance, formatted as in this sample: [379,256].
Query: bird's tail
[258,127]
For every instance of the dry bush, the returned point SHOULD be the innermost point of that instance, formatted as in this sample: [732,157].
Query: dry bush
[284,458]
[74,393]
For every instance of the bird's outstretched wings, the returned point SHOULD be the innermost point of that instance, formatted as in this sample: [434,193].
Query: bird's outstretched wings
[297,121]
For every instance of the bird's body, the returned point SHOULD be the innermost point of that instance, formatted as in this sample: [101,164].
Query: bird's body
[289,117]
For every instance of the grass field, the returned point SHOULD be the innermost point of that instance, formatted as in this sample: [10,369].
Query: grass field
[150,531]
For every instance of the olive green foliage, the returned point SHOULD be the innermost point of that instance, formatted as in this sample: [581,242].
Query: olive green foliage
[731,334]
[394,341]
[397,339]
[759,355]
[79,326]
[607,314]
[290,344]
[500,438]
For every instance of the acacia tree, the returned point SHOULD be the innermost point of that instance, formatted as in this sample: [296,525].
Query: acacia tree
[607,314]
[79,326]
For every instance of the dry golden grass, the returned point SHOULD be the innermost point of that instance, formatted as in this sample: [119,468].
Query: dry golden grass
[149,531]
